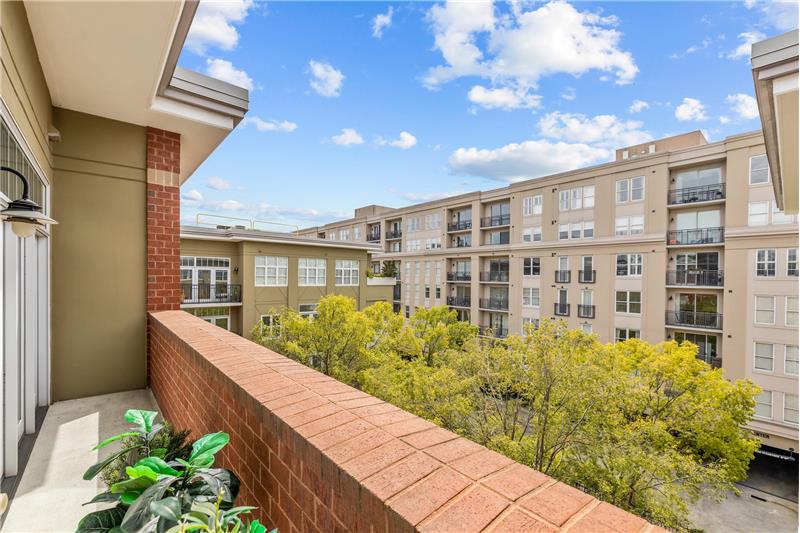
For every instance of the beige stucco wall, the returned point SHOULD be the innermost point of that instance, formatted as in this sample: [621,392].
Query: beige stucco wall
[98,256]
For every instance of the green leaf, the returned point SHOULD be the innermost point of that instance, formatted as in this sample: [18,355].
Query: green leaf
[101,521]
[158,452]
[218,481]
[139,512]
[256,527]
[129,497]
[204,460]
[209,444]
[106,496]
[115,438]
[93,470]
[154,431]
[157,465]
[138,483]
[140,471]
[168,508]
[141,418]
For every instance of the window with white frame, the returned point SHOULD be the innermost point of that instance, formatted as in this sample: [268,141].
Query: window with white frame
[307,310]
[527,235]
[347,272]
[765,310]
[271,325]
[532,205]
[763,356]
[412,224]
[765,262]
[537,205]
[629,265]
[530,297]
[344,234]
[586,327]
[779,217]
[576,230]
[791,360]
[272,271]
[630,190]
[531,266]
[357,233]
[588,197]
[623,334]
[576,198]
[632,225]
[764,405]
[629,302]
[758,213]
[587,297]
[434,243]
[310,272]
[537,233]
[433,221]
[563,200]
[529,324]
[792,311]
[563,232]
[791,262]
[790,408]
[759,169]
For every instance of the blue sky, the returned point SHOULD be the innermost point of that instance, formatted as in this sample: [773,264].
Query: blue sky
[354,103]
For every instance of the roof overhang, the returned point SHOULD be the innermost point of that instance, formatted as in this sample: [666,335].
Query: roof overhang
[775,75]
[250,235]
[118,60]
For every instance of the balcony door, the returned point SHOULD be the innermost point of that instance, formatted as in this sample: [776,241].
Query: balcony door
[205,279]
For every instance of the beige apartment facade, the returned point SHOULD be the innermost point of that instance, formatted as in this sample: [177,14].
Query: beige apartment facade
[675,239]
[237,278]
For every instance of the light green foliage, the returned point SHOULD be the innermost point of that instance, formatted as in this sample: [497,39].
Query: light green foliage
[645,427]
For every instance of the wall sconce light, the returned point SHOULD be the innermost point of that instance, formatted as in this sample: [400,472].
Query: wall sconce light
[236,270]
[24,214]
[670,298]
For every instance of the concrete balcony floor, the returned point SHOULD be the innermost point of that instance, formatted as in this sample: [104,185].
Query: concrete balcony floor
[51,492]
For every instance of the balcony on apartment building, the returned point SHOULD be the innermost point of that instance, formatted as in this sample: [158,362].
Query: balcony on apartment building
[584,311]
[697,236]
[560,309]
[695,278]
[495,304]
[495,276]
[694,319]
[459,301]
[459,277]
[374,234]
[585,276]
[211,294]
[692,195]
[394,234]
[461,225]
[489,331]
[563,276]
[397,291]
[496,221]
[461,241]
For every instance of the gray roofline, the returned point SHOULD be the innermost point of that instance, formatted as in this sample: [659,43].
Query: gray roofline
[775,50]
[239,235]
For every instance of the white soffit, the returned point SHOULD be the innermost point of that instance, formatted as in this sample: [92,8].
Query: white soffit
[108,58]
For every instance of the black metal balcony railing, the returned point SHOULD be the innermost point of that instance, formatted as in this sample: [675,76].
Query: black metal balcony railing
[461,225]
[714,360]
[498,304]
[696,236]
[397,292]
[394,234]
[563,276]
[374,237]
[561,309]
[585,311]
[695,319]
[210,293]
[458,301]
[495,275]
[489,331]
[587,276]
[461,242]
[695,278]
[459,276]
[497,220]
[701,193]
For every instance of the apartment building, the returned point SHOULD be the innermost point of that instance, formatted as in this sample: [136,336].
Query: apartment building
[675,239]
[236,278]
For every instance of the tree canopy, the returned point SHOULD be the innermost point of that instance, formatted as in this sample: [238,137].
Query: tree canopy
[645,427]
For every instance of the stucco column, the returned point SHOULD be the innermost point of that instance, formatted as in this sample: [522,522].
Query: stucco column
[163,220]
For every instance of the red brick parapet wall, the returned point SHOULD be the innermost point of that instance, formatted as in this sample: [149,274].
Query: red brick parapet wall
[316,455]
[163,220]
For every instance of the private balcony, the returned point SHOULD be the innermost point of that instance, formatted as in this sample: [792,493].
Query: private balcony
[696,237]
[695,278]
[393,235]
[495,221]
[459,277]
[494,304]
[461,225]
[694,319]
[459,301]
[493,276]
[461,242]
[561,309]
[488,331]
[701,193]
[563,276]
[585,311]
[374,237]
[210,294]
[397,292]
[587,276]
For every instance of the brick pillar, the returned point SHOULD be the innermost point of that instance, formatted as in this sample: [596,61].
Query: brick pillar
[163,220]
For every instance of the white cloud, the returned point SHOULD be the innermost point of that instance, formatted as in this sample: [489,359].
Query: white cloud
[270,125]
[348,137]
[691,109]
[601,130]
[427,196]
[568,94]
[260,210]
[213,25]
[192,196]
[380,22]
[524,45]
[529,159]
[694,48]
[218,184]
[405,141]
[747,38]
[326,80]
[225,71]
[637,106]
[503,98]
[744,105]
[779,14]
